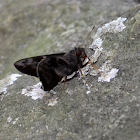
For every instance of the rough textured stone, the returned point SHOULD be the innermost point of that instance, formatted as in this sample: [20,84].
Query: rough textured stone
[111,110]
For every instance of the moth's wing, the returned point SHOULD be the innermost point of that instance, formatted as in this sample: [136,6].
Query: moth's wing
[47,74]
[66,66]
[28,65]
[62,67]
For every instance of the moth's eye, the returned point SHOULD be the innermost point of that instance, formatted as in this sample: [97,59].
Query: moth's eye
[78,53]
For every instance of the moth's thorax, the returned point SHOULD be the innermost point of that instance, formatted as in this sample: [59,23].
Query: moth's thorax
[75,58]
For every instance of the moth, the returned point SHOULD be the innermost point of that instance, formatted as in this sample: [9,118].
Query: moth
[50,69]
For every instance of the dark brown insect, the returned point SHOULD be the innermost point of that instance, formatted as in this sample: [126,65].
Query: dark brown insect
[50,69]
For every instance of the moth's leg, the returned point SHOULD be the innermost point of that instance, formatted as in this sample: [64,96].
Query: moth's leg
[90,62]
[63,86]
[60,81]
[84,77]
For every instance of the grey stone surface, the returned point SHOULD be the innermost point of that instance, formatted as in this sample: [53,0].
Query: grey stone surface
[110,111]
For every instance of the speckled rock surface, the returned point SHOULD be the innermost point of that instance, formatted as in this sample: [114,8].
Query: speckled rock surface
[110,111]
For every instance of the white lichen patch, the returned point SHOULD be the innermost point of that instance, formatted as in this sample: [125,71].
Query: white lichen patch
[93,72]
[106,66]
[9,80]
[107,76]
[96,46]
[4,83]
[84,70]
[34,91]
[114,27]
[107,72]
[53,102]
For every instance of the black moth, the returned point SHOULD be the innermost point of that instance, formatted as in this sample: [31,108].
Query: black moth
[50,69]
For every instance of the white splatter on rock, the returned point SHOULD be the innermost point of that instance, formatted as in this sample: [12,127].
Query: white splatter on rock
[53,102]
[4,83]
[108,76]
[114,26]
[34,91]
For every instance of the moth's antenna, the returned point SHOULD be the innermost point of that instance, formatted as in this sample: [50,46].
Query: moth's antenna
[88,35]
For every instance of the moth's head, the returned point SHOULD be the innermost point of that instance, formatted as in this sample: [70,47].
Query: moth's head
[80,52]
